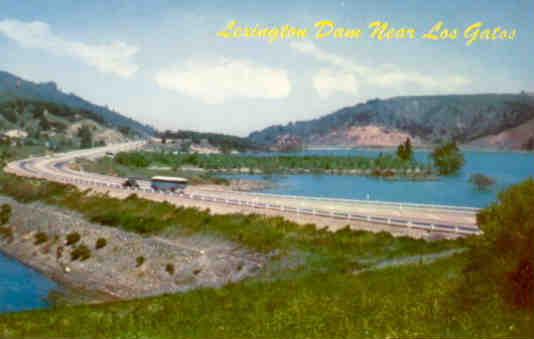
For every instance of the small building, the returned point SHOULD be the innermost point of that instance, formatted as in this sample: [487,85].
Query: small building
[161,183]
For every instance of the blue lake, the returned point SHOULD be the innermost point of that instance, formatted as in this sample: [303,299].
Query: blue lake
[22,288]
[506,168]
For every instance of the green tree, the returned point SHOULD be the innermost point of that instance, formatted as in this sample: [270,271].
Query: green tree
[448,159]
[86,136]
[43,123]
[504,253]
[405,151]
[529,145]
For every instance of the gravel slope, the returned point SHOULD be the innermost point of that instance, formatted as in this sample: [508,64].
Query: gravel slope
[198,261]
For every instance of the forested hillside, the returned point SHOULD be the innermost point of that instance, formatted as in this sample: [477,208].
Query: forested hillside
[221,141]
[55,126]
[427,118]
[13,87]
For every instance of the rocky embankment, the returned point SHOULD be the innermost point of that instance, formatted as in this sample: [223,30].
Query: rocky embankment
[69,249]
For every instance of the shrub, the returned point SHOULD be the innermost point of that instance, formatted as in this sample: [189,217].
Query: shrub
[504,254]
[169,268]
[133,159]
[40,238]
[100,243]
[5,214]
[73,238]
[81,252]
[139,261]
[6,233]
[481,181]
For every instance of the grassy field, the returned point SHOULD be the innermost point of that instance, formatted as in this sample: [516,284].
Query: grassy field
[323,296]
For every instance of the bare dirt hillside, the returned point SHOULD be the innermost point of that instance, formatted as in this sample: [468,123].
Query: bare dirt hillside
[513,138]
[366,136]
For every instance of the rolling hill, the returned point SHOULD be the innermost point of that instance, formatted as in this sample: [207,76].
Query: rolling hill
[221,141]
[469,119]
[56,127]
[14,88]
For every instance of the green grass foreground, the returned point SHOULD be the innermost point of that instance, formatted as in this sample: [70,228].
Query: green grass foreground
[323,298]
[412,301]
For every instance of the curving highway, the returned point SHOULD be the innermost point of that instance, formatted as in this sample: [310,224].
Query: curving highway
[454,220]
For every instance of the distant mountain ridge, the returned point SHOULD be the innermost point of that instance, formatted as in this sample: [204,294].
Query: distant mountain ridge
[428,119]
[13,87]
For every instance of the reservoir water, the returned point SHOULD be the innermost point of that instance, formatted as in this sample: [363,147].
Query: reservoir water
[22,288]
[506,168]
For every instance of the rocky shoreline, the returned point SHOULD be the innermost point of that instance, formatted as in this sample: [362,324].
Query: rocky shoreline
[128,265]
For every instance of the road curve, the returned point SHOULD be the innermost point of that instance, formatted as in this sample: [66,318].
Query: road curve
[428,218]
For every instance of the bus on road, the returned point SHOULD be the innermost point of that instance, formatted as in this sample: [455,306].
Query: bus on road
[172,184]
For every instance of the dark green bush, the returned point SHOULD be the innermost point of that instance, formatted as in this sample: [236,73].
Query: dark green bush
[6,233]
[40,237]
[133,159]
[504,254]
[482,182]
[5,214]
[73,238]
[169,268]
[81,252]
[100,243]
[139,261]
[28,190]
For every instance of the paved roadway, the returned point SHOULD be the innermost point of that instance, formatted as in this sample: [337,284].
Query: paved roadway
[433,218]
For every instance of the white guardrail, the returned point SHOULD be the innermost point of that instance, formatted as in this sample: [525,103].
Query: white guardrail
[401,205]
[392,221]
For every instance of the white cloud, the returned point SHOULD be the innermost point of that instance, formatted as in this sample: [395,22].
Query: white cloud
[386,76]
[327,81]
[115,58]
[216,81]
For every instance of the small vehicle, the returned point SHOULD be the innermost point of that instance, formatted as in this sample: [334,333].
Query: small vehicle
[172,184]
[130,183]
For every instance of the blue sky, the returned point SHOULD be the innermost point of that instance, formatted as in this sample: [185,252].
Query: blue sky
[162,63]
